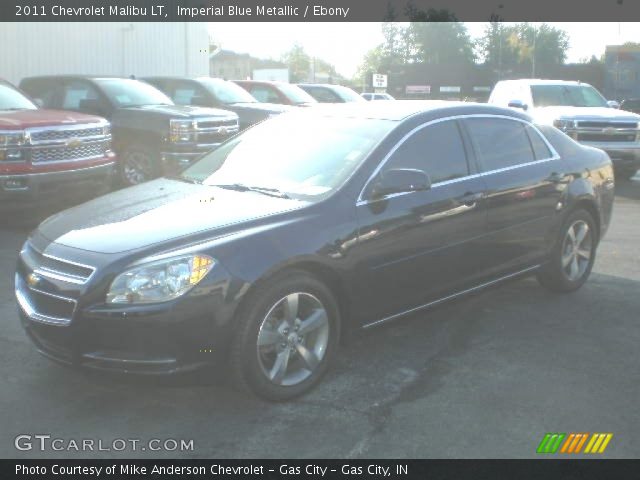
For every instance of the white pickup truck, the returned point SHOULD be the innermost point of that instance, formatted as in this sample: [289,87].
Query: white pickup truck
[579,110]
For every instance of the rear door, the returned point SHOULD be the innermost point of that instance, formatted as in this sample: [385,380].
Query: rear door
[524,184]
[419,246]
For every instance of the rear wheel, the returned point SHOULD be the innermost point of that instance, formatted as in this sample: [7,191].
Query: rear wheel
[286,338]
[138,164]
[573,256]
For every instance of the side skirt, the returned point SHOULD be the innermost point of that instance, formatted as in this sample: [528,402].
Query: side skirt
[451,297]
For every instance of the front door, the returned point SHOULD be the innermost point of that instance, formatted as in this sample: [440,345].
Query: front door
[419,246]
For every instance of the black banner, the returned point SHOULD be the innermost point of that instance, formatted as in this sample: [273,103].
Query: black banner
[546,469]
[316,10]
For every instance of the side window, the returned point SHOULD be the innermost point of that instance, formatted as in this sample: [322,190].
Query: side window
[48,92]
[75,92]
[437,150]
[500,143]
[540,149]
[186,93]
[264,94]
[324,95]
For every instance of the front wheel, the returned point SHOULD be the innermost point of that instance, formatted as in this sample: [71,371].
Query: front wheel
[573,256]
[138,164]
[286,337]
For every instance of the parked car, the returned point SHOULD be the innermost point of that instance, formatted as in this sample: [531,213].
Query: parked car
[277,92]
[217,93]
[46,154]
[630,105]
[581,112]
[326,93]
[362,213]
[151,135]
[376,96]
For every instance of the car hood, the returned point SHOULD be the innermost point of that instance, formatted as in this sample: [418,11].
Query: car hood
[19,119]
[158,211]
[260,107]
[177,111]
[546,115]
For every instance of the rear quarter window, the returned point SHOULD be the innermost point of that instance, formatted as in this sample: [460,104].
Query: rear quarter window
[563,144]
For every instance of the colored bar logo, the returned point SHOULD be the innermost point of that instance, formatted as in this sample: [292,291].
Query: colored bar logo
[574,442]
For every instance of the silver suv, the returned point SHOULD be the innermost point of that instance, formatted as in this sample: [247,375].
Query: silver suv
[579,110]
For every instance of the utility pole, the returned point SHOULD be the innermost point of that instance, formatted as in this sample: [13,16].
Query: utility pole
[533,54]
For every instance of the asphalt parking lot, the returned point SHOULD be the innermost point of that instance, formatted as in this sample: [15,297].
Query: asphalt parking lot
[486,376]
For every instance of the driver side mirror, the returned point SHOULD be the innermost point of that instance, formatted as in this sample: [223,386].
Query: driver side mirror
[518,104]
[400,180]
[613,104]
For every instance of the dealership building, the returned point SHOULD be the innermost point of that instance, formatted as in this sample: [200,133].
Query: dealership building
[122,49]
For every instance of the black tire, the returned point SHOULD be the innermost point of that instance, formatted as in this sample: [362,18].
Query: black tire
[557,277]
[138,164]
[246,361]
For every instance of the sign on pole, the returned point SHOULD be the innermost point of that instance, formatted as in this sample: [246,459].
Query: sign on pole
[379,80]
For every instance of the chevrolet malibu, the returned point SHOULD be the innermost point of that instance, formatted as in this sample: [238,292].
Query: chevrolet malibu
[307,228]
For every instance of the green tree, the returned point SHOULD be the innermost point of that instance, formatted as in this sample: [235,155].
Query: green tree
[298,62]
[506,46]
[438,43]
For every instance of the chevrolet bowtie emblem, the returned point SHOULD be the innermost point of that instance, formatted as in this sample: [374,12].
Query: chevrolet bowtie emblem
[73,142]
[33,279]
[609,131]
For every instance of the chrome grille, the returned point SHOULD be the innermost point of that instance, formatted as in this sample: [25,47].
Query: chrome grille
[65,134]
[65,153]
[606,124]
[44,307]
[57,268]
[216,123]
[603,137]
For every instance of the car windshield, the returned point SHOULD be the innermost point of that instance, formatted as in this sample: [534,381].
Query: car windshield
[226,92]
[132,93]
[567,95]
[295,93]
[295,154]
[12,99]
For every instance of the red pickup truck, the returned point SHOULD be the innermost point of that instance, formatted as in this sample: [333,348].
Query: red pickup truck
[49,154]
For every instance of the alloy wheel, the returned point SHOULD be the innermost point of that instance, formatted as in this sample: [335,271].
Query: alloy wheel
[577,250]
[293,339]
[137,167]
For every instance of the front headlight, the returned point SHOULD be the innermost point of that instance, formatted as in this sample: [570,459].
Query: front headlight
[11,139]
[10,145]
[564,124]
[181,130]
[160,281]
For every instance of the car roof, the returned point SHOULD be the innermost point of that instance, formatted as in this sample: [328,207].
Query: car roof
[78,76]
[542,81]
[265,82]
[401,109]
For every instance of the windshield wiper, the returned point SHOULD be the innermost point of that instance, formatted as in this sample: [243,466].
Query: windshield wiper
[238,187]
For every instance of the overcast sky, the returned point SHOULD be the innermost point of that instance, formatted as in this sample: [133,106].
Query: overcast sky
[344,44]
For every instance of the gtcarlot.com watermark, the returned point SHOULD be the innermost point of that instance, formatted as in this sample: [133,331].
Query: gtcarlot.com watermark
[44,442]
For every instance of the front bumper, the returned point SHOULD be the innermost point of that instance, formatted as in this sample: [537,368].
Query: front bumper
[176,157]
[625,156]
[156,339]
[33,187]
